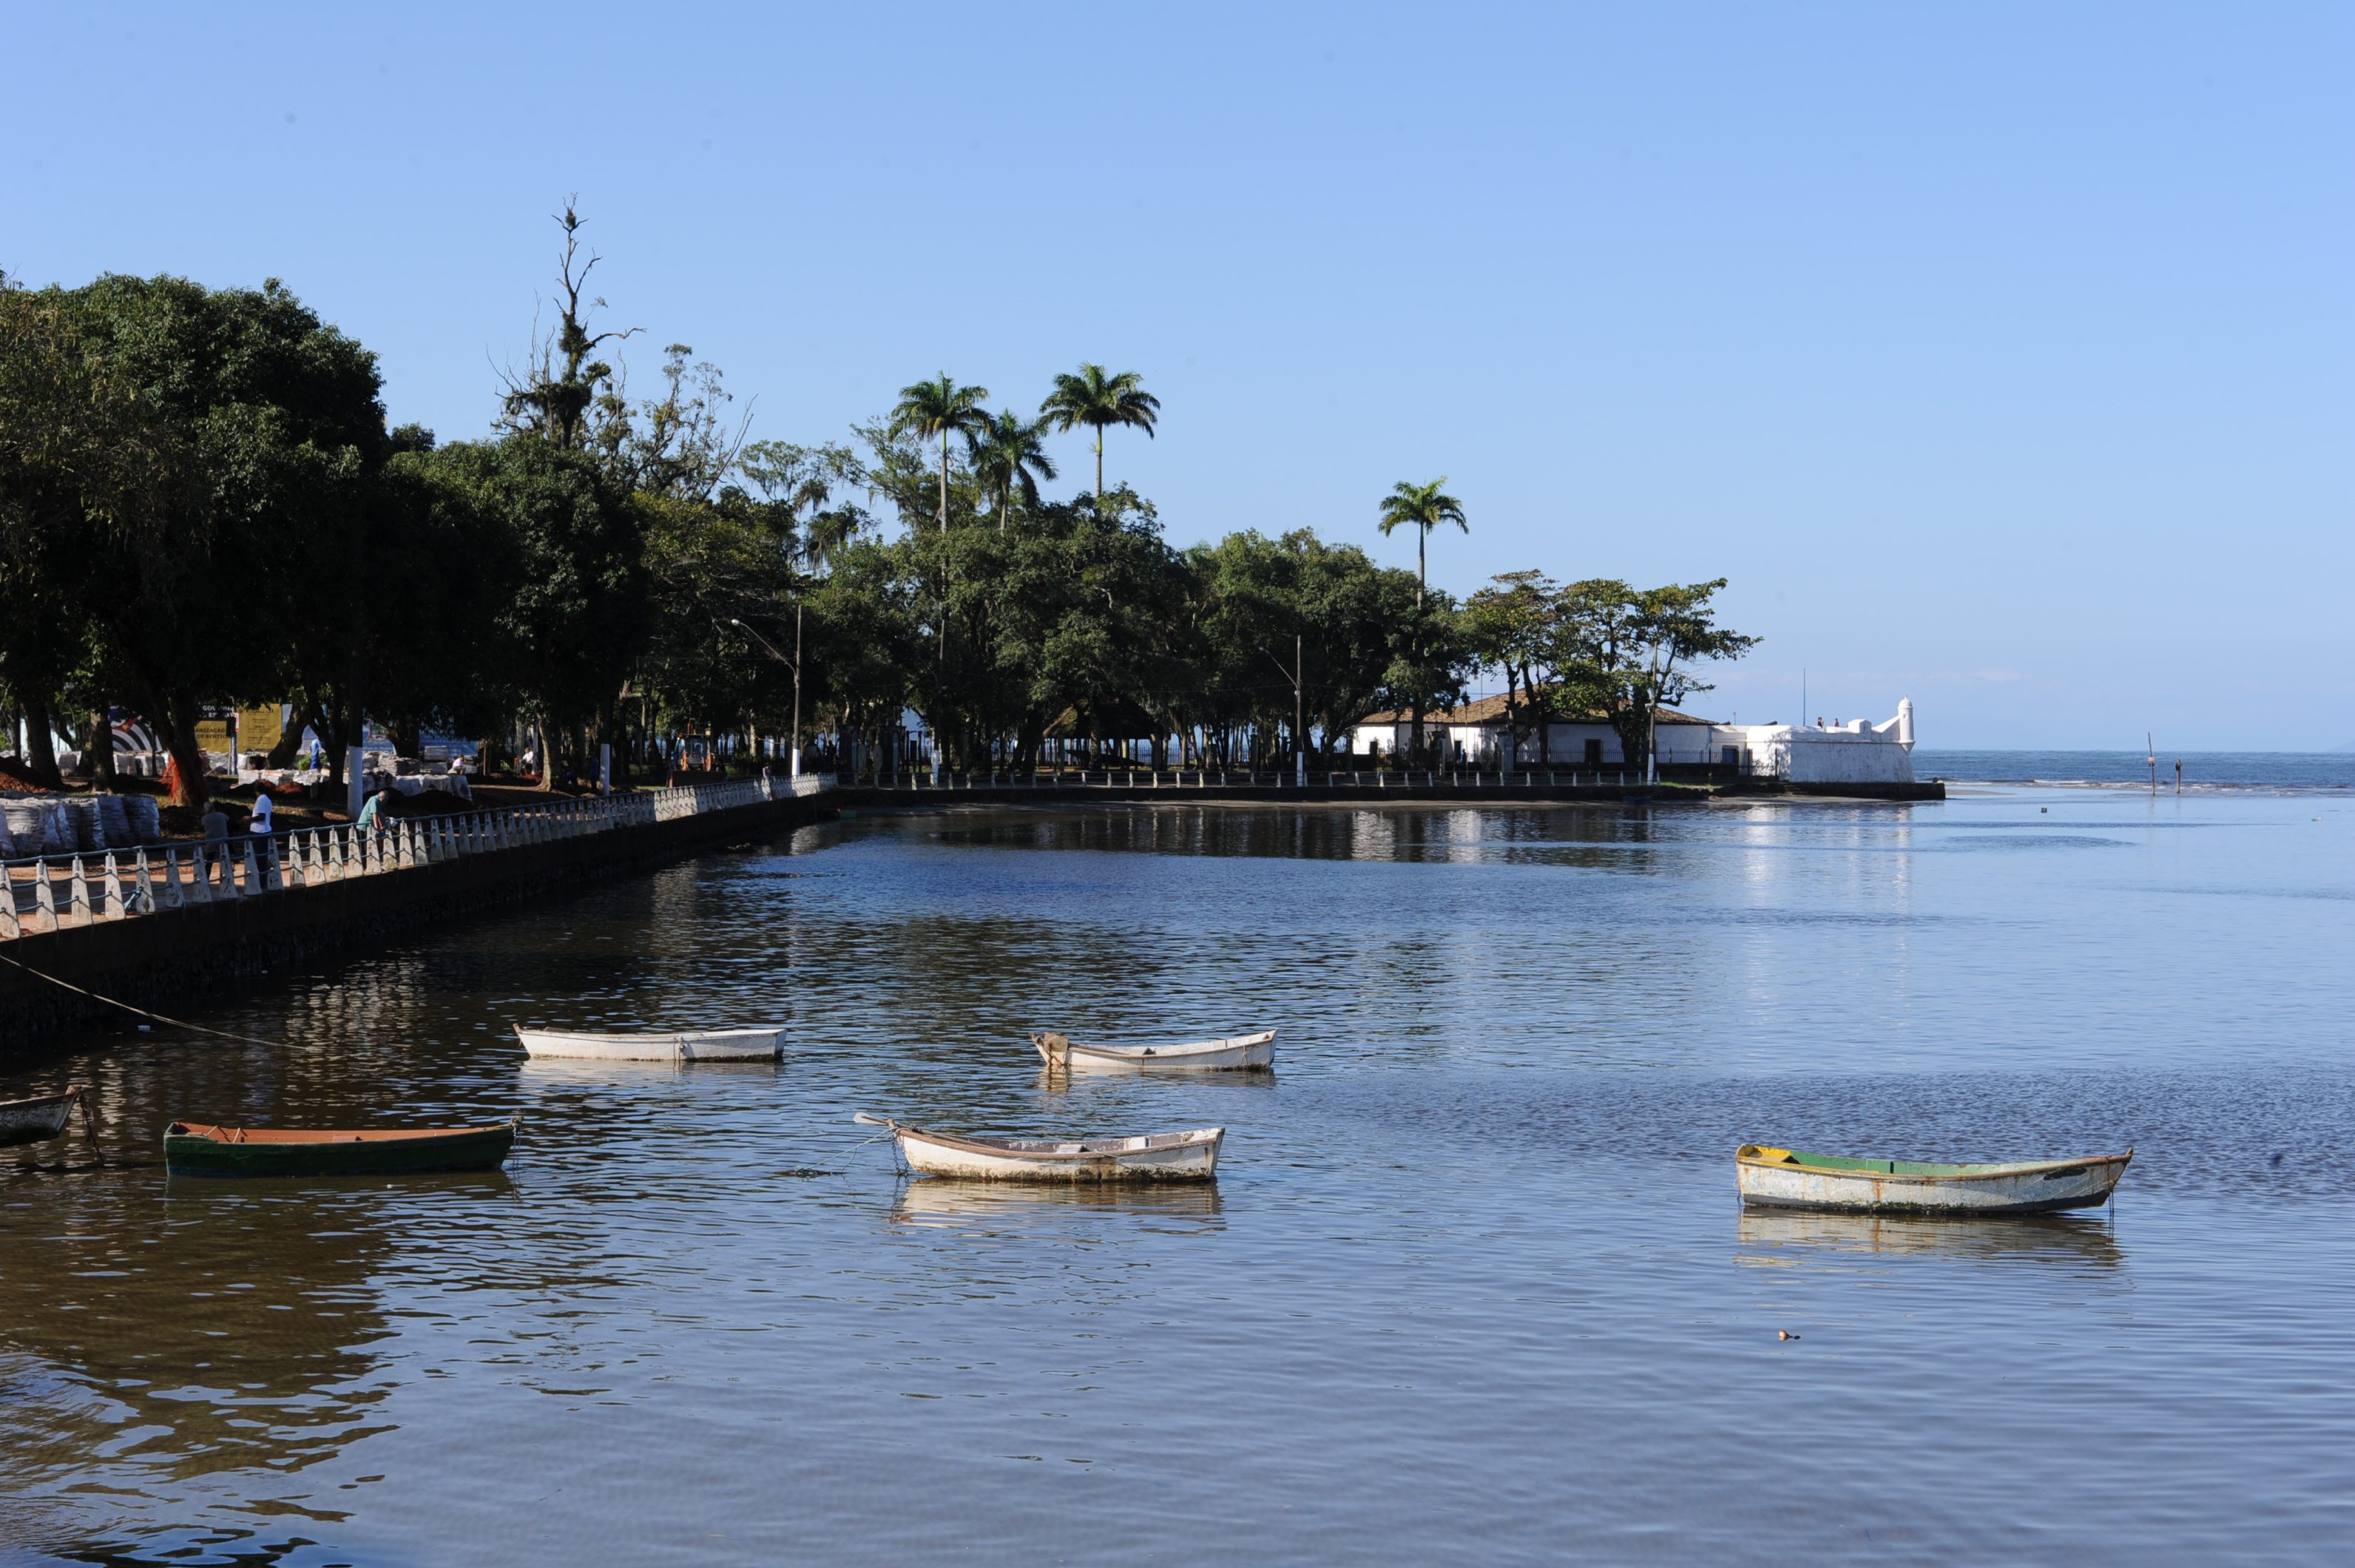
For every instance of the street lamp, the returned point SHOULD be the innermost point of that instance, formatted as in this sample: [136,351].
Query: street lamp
[1299,707]
[793,663]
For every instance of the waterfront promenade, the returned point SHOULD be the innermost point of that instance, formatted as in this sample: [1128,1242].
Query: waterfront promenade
[150,924]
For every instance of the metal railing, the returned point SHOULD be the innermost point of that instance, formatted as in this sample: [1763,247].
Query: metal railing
[50,892]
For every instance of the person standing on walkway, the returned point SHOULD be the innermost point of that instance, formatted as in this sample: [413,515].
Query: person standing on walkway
[259,822]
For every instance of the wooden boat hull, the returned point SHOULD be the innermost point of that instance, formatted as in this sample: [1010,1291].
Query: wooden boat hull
[1784,1179]
[41,1116]
[1239,1054]
[683,1045]
[193,1150]
[1165,1156]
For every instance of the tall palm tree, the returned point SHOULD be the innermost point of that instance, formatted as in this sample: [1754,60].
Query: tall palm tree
[1422,508]
[1010,454]
[940,408]
[1098,401]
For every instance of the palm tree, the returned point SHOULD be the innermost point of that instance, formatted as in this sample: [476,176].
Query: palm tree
[1098,401]
[1422,508]
[939,408]
[1011,454]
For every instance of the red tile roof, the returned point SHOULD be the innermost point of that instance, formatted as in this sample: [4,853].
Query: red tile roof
[1491,710]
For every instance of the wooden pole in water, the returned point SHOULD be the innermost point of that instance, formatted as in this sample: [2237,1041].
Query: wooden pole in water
[2152,747]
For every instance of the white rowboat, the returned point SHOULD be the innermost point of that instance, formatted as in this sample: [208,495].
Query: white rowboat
[42,1117]
[1237,1053]
[686,1045]
[1156,1157]
[1785,1178]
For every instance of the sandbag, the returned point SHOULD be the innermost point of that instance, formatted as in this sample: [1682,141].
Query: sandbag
[146,816]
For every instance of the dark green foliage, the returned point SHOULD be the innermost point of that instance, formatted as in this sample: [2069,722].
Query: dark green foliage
[578,612]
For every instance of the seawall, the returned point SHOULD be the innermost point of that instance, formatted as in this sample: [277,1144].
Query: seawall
[1485,789]
[161,960]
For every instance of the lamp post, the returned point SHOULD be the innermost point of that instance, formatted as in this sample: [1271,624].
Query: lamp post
[793,766]
[1299,711]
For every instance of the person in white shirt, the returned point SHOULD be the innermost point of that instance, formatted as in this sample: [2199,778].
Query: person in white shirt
[259,825]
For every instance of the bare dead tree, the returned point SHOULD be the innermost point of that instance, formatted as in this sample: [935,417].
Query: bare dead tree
[554,399]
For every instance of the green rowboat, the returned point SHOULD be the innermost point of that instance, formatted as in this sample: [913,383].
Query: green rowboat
[192,1148]
[1773,1177]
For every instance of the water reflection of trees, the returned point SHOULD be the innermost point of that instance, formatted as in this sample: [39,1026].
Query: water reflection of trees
[174,1329]
[1313,832]
[183,1334]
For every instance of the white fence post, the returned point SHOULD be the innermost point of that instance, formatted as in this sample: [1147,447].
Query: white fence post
[112,891]
[45,897]
[252,886]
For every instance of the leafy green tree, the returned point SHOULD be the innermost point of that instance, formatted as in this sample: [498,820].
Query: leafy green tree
[712,564]
[1626,653]
[1100,401]
[67,440]
[682,444]
[1512,624]
[1009,453]
[579,616]
[261,435]
[812,484]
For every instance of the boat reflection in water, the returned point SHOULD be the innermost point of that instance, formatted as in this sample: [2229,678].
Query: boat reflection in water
[999,1207]
[1053,1081]
[1788,1236]
[556,1071]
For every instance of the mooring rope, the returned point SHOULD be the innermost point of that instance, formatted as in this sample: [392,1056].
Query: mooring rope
[142,1012]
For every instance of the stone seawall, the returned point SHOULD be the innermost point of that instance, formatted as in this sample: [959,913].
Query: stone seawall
[165,960]
[1482,790]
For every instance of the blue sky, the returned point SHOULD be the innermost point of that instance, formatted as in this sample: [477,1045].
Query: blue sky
[2002,357]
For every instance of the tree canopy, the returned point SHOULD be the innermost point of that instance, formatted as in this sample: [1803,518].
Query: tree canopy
[201,501]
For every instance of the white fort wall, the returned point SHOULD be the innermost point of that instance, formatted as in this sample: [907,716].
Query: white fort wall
[1851,753]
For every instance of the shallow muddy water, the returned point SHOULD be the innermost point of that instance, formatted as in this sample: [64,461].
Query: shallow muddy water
[1471,1285]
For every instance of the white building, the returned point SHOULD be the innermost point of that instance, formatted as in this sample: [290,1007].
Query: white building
[1477,735]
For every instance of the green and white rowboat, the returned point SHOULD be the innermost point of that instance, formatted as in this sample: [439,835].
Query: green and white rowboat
[1788,1178]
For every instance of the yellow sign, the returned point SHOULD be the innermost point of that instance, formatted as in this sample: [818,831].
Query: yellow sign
[258,729]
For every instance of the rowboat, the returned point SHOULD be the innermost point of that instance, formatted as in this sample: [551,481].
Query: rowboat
[41,1116]
[1237,1053]
[685,1045]
[193,1149]
[1787,1179]
[1156,1157]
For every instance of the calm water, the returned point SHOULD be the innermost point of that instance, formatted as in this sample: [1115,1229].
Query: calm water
[2202,770]
[1473,1286]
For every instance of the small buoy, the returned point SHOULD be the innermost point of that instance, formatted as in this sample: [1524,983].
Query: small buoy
[2276,1159]
[2043,808]
[1785,1334]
